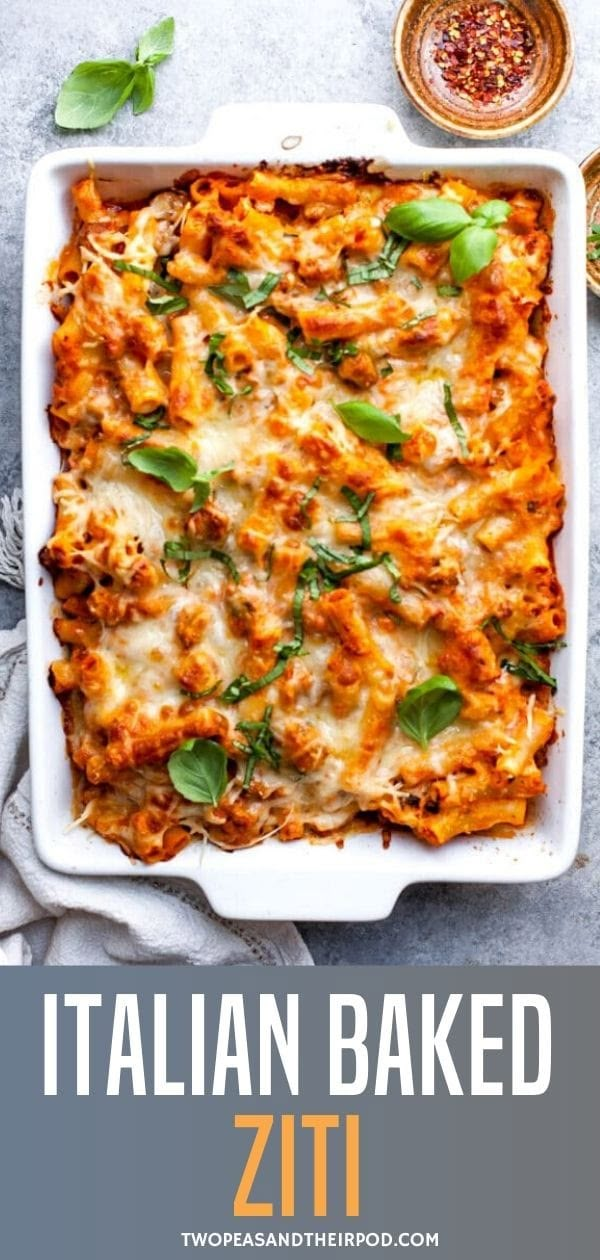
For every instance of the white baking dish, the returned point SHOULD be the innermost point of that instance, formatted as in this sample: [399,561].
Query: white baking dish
[301,881]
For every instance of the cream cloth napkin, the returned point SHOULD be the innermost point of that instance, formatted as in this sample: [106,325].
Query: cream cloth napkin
[52,918]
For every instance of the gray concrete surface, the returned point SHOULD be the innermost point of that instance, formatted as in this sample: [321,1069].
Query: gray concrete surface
[236,50]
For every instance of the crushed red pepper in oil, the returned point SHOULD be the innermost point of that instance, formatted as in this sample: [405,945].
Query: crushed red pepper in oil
[485,51]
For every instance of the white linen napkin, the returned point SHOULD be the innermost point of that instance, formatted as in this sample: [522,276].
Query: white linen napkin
[52,918]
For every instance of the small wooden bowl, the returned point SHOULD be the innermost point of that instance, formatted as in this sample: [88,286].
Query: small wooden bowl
[590,169]
[416,36]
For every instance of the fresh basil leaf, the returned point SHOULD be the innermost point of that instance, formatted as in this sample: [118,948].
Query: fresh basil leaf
[163,282]
[92,94]
[167,305]
[472,251]
[449,290]
[157,43]
[429,708]
[427,219]
[168,463]
[382,267]
[143,89]
[455,422]
[492,213]
[198,771]
[370,423]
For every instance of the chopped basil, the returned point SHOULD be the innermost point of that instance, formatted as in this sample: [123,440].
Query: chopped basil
[323,573]
[527,665]
[243,686]
[167,305]
[198,771]
[360,507]
[383,266]
[389,563]
[449,290]
[215,369]
[416,319]
[201,695]
[304,354]
[455,422]
[268,561]
[182,554]
[170,301]
[386,370]
[152,420]
[394,452]
[260,744]
[334,296]
[238,291]
[370,423]
[308,497]
[416,280]
[163,282]
[594,242]
[429,708]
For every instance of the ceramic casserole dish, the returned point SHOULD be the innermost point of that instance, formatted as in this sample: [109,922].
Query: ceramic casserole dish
[362,879]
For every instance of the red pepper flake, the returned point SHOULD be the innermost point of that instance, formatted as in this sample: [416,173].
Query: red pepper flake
[484,51]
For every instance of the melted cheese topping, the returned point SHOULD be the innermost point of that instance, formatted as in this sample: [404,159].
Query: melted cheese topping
[152,643]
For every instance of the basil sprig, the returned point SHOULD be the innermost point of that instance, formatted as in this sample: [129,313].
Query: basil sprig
[176,468]
[429,708]
[181,553]
[527,665]
[198,771]
[238,291]
[383,266]
[215,369]
[96,90]
[370,423]
[450,410]
[260,744]
[435,219]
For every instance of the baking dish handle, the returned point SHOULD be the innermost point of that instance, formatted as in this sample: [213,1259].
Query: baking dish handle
[250,133]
